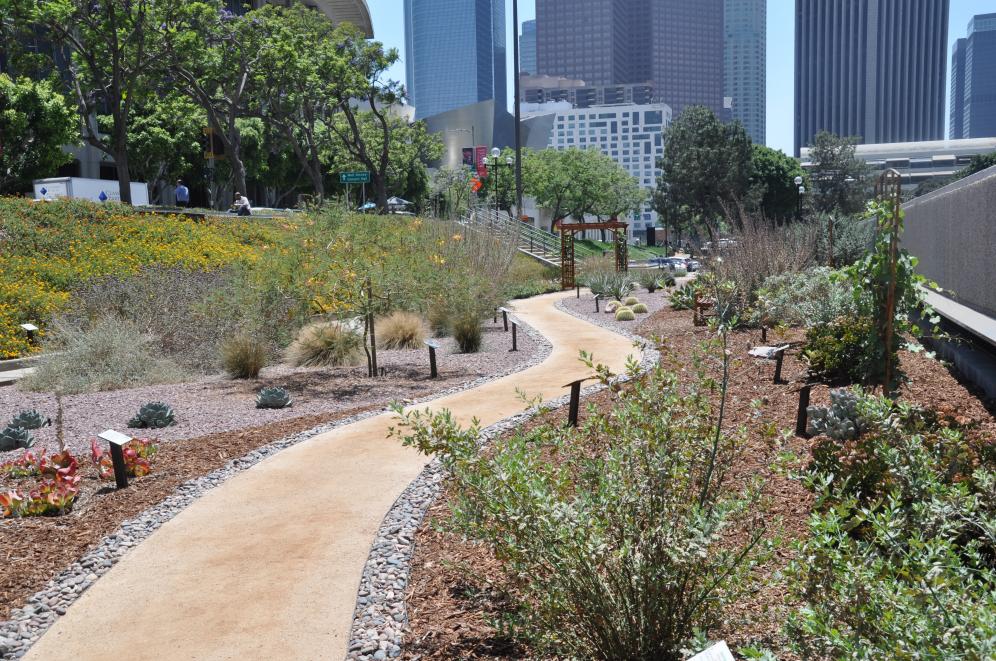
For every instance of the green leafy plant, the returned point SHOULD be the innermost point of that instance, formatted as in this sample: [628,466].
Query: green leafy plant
[154,415]
[325,344]
[810,298]
[138,455]
[842,350]
[683,298]
[617,540]
[401,330]
[273,398]
[611,285]
[243,356]
[13,438]
[625,314]
[650,280]
[30,420]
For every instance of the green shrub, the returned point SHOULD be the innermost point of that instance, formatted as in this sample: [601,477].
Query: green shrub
[617,540]
[528,277]
[683,298]
[325,344]
[610,285]
[631,300]
[900,557]
[640,308]
[467,332]
[110,355]
[817,296]
[243,356]
[439,319]
[650,279]
[842,350]
[401,330]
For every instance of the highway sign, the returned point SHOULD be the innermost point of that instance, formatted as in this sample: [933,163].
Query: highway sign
[354,177]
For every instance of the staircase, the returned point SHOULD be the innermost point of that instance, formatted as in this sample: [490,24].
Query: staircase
[539,244]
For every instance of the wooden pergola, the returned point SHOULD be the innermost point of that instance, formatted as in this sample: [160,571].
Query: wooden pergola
[567,232]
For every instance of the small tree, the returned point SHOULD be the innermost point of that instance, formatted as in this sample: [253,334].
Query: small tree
[838,178]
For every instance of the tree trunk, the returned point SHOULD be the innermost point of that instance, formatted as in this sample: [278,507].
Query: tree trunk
[124,175]
[238,167]
[380,188]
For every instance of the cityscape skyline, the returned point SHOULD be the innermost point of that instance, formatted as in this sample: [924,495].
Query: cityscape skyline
[389,28]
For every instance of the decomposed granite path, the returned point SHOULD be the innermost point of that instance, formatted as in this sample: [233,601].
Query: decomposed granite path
[266,566]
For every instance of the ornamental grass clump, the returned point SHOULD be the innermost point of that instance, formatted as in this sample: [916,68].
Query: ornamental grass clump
[401,330]
[467,332]
[618,540]
[243,356]
[326,344]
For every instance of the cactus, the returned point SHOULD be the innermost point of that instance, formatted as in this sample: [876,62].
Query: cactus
[631,300]
[640,308]
[841,421]
[13,438]
[154,415]
[273,398]
[612,306]
[30,420]
[625,314]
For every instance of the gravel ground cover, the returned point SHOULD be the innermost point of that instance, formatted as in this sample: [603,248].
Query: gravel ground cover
[218,404]
[453,595]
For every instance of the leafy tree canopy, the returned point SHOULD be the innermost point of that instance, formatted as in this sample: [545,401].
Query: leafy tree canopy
[838,178]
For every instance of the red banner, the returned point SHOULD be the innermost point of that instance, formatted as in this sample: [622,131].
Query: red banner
[480,158]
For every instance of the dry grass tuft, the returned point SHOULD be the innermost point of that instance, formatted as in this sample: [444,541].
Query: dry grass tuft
[325,344]
[401,330]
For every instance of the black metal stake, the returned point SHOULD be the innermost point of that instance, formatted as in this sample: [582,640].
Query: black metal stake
[120,470]
[801,418]
[579,290]
[432,362]
[515,345]
[596,301]
[504,318]
[778,366]
[572,413]
[496,315]
[764,333]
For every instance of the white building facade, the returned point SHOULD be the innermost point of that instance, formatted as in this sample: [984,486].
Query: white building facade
[633,135]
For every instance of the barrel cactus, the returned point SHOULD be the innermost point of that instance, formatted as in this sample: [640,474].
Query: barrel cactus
[841,421]
[14,438]
[631,300]
[154,415]
[625,314]
[640,308]
[273,398]
[30,420]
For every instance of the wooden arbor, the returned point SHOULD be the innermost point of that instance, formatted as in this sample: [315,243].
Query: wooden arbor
[567,232]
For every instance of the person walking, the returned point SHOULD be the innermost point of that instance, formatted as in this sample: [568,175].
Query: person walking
[182,194]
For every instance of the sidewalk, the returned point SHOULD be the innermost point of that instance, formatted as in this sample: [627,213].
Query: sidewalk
[267,565]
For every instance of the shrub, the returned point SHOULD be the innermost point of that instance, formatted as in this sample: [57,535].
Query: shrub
[325,344]
[110,355]
[617,540]
[138,455]
[683,298]
[817,296]
[842,350]
[467,332]
[243,356]
[631,300]
[640,308]
[401,330]
[439,319]
[610,285]
[650,279]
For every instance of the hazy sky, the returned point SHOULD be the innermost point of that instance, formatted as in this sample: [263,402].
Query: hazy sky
[388,20]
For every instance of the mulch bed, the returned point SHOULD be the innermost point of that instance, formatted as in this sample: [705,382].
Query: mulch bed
[35,549]
[452,599]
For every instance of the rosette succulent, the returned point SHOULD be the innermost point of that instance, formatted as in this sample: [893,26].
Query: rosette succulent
[14,438]
[30,420]
[154,415]
[273,398]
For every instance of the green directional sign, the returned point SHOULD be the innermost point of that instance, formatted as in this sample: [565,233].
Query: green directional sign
[354,177]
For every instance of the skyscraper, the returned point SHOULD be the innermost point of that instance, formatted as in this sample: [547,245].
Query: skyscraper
[675,44]
[454,54]
[870,68]
[744,71]
[973,81]
[527,48]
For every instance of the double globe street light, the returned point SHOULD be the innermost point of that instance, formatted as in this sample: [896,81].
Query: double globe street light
[496,162]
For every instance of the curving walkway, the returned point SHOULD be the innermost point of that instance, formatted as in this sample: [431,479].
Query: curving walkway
[267,565]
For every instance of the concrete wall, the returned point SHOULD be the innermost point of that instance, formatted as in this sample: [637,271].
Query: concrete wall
[953,232]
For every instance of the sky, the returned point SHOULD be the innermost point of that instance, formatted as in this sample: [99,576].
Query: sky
[388,23]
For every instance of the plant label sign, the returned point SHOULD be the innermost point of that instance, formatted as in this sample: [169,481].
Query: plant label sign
[31,328]
[718,652]
[114,437]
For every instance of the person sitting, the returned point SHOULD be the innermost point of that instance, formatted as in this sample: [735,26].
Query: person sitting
[182,195]
[240,205]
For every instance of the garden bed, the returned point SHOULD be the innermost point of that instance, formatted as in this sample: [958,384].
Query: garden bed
[454,597]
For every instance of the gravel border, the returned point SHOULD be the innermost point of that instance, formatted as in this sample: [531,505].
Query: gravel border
[380,618]
[42,609]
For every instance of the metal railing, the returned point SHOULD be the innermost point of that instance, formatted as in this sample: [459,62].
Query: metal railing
[532,241]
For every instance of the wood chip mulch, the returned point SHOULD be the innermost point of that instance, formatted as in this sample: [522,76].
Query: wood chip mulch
[453,599]
[33,550]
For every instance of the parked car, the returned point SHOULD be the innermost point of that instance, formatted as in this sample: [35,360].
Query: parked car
[692,265]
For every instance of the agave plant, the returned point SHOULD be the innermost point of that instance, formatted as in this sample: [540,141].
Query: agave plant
[30,420]
[154,415]
[13,438]
[273,398]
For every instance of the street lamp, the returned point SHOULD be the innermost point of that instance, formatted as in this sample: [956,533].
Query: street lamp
[497,163]
[802,191]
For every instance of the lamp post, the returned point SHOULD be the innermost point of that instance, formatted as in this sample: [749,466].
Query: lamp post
[802,191]
[517,110]
[495,164]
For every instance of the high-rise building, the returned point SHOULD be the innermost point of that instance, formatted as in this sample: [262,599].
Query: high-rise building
[674,44]
[973,81]
[527,48]
[870,68]
[340,11]
[454,54]
[744,71]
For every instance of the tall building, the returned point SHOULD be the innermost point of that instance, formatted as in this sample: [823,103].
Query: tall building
[674,44]
[744,74]
[527,48]
[454,54]
[870,68]
[340,11]
[973,80]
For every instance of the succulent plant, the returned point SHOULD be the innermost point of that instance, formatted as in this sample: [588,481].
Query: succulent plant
[631,300]
[640,308]
[29,420]
[154,415]
[625,314]
[273,398]
[13,438]
[841,421]
[612,306]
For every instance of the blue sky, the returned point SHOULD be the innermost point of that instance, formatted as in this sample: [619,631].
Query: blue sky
[388,20]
